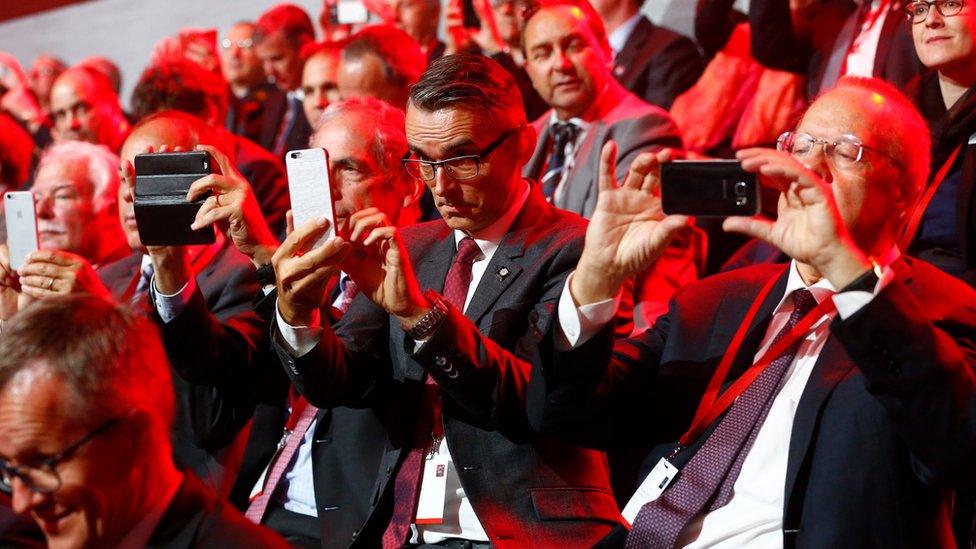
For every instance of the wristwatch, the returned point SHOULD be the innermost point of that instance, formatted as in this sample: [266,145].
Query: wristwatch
[265,275]
[431,320]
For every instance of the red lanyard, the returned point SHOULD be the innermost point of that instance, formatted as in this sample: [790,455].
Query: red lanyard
[712,405]
[912,226]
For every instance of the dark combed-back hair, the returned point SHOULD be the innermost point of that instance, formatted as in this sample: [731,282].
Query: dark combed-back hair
[110,358]
[472,82]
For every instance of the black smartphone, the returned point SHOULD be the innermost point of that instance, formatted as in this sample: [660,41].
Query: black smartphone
[162,212]
[708,188]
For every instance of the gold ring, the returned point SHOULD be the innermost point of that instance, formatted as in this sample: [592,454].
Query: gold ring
[217,199]
[50,283]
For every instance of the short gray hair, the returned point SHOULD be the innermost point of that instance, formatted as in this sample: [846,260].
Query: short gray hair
[110,357]
[101,168]
[389,141]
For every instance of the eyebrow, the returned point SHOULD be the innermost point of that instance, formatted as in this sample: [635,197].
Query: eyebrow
[453,147]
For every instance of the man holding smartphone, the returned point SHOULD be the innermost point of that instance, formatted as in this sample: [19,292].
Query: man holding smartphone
[840,382]
[492,268]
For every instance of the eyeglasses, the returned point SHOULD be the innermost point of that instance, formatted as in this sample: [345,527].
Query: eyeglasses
[846,152]
[243,43]
[919,11]
[459,168]
[42,477]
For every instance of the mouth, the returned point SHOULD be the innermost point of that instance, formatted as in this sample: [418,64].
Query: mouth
[567,84]
[52,523]
[49,232]
[936,39]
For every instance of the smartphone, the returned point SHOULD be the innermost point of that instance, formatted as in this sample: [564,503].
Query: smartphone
[348,12]
[709,188]
[309,188]
[21,226]
[162,212]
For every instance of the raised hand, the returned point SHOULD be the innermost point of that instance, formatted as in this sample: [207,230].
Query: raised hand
[234,208]
[381,268]
[11,298]
[302,273]
[808,227]
[628,231]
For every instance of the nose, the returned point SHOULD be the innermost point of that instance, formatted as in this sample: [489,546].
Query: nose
[442,184]
[23,498]
[45,206]
[71,119]
[321,99]
[933,19]
[817,163]
[562,61]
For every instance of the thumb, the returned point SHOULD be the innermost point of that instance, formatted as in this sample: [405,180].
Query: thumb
[756,227]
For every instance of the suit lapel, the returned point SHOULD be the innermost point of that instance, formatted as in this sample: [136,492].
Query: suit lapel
[892,19]
[624,65]
[534,165]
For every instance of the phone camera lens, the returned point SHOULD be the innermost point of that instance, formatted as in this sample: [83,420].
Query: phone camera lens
[741,188]
[295,155]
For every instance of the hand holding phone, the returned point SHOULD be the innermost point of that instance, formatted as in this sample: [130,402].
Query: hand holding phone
[162,212]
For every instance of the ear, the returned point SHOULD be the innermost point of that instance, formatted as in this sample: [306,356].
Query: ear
[415,188]
[527,141]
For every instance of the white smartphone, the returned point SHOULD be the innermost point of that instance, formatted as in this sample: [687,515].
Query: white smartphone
[308,186]
[350,12]
[21,226]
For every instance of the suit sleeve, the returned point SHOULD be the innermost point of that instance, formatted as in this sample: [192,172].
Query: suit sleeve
[488,374]
[652,131]
[350,365]
[773,41]
[922,372]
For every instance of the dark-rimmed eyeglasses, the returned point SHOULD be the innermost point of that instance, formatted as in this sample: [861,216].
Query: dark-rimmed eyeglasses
[42,477]
[846,152]
[918,12]
[459,168]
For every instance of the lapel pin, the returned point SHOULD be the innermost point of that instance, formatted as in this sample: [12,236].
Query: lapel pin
[619,71]
[502,273]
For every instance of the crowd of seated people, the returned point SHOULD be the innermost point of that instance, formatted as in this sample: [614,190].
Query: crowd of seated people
[501,337]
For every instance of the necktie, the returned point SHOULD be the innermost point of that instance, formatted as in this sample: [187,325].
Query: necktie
[407,482]
[138,299]
[716,465]
[287,123]
[302,416]
[561,134]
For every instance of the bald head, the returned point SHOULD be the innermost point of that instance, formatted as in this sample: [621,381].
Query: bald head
[86,108]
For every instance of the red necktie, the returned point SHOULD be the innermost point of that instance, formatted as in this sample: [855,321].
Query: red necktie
[715,466]
[407,483]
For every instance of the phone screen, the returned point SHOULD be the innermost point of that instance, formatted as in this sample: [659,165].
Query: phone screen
[21,226]
[308,186]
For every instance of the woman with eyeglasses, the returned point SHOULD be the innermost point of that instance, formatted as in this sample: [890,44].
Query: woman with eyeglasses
[942,229]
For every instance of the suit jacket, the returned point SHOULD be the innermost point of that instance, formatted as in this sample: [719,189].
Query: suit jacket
[298,132]
[776,46]
[524,488]
[197,518]
[886,422]
[251,116]
[217,330]
[632,123]
[657,64]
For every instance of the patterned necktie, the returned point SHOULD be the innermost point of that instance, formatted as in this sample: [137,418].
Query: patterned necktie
[561,134]
[281,462]
[407,483]
[716,465]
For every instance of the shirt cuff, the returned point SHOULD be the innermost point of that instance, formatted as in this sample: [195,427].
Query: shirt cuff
[300,339]
[577,324]
[169,306]
[848,303]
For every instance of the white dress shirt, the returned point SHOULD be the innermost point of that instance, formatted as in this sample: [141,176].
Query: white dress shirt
[460,520]
[860,57]
[753,516]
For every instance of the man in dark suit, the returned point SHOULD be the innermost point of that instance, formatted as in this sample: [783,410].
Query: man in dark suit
[199,296]
[323,496]
[652,62]
[248,86]
[865,399]
[827,40]
[416,359]
[84,435]
[280,34]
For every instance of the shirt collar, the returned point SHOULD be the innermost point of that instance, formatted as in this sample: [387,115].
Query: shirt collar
[491,236]
[576,121]
[140,534]
[618,38]
[821,290]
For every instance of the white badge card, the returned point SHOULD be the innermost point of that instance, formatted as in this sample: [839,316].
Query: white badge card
[433,491]
[649,490]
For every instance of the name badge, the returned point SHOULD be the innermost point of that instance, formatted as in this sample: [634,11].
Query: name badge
[433,491]
[654,484]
